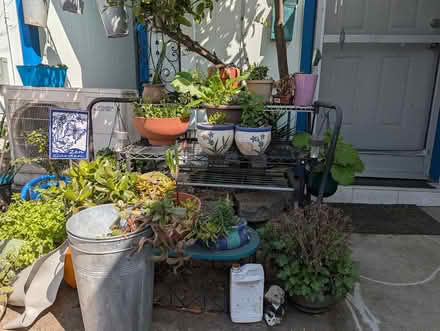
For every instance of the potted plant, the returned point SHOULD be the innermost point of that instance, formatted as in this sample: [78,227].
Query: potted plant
[253,134]
[226,72]
[215,137]
[162,123]
[212,94]
[346,164]
[258,81]
[222,229]
[114,17]
[153,92]
[311,253]
[285,89]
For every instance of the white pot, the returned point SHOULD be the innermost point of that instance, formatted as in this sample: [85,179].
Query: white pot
[252,141]
[215,139]
[35,12]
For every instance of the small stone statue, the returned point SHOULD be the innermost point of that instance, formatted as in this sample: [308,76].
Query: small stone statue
[274,305]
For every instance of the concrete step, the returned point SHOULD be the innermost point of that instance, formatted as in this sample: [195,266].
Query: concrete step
[387,195]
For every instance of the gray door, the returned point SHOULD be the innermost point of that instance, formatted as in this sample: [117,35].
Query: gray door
[378,64]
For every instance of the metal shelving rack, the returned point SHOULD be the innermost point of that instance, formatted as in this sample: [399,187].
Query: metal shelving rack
[281,168]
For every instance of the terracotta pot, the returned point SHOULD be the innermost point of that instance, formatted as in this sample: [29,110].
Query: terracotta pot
[225,73]
[152,92]
[160,131]
[262,88]
[182,196]
[233,112]
[69,275]
[282,99]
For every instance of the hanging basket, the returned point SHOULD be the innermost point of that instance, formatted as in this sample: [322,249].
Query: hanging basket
[35,12]
[72,6]
[115,19]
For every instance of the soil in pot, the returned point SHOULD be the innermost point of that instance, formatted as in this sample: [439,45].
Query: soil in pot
[233,112]
[152,92]
[315,183]
[160,131]
[282,99]
[262,88]
[305,304]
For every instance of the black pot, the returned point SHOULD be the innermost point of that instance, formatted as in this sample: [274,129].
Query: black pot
[305,304]
[331,185]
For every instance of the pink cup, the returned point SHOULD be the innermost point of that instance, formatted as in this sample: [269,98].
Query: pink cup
[305,85]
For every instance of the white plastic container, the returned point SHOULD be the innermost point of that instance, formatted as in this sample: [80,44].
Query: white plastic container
[247,293]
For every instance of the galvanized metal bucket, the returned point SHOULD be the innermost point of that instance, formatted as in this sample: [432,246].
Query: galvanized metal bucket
[115,286]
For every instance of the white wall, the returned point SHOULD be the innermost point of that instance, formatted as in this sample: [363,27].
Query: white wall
[235,42]
[8,21]
[80,42]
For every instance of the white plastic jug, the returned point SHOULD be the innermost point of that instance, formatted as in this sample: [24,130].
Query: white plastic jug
[247,293]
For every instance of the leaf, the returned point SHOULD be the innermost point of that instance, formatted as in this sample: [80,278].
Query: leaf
[343,175]
[301,140]
[184,83]
[283,260]
[182,20]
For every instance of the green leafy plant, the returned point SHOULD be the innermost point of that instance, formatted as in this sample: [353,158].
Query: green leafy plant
[172,222]
[310,249]
[158,68]
[40,224]
[212,91]
[218,224]
[346,164]
[163,110]
[168,17]
[39,139]
[94,183]
[217,118]
[252,113]
[257,72]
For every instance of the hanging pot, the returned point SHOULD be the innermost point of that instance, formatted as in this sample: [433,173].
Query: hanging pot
[115,19]
[331,185]
[72,6]
[35,12]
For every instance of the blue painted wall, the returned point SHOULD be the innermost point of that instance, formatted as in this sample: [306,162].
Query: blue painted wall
[307,50]
[142,59]
[435,164]
[29,37]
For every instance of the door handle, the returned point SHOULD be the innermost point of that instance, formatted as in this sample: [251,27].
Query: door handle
[342,38]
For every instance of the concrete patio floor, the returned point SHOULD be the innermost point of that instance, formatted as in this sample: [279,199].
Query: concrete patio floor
[399,290]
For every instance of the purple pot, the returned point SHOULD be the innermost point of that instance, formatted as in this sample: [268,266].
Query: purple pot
[305,85]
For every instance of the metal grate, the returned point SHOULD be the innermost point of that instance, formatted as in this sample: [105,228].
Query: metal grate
[255,179]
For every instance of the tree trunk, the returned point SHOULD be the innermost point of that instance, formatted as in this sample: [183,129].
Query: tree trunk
[191,45]
[283,67]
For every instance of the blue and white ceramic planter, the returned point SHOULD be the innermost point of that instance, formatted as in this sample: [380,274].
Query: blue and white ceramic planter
[252,141]
[238,237]
[215,139]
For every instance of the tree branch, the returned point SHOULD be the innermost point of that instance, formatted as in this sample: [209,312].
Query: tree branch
[283,66]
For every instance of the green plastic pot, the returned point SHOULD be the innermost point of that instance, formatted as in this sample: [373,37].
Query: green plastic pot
[331,185]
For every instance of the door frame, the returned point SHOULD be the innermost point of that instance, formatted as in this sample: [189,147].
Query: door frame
[433,130]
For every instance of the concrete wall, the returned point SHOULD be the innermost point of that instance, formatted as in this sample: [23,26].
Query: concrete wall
[80,42]
[236,41]
[8,21]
